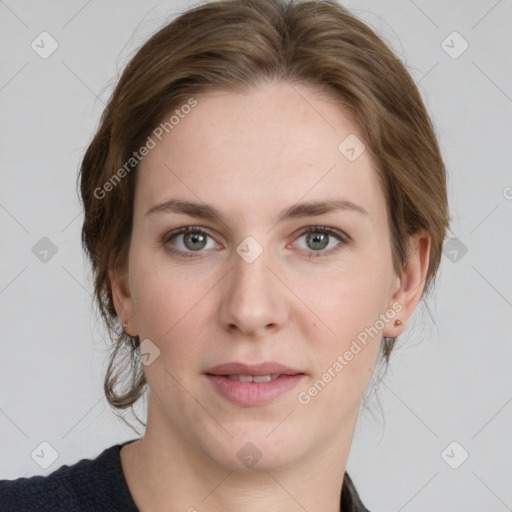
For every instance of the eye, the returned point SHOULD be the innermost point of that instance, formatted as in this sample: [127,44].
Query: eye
[189,240]
[318,238]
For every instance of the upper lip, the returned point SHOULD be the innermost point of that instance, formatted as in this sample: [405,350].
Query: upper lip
[267,368]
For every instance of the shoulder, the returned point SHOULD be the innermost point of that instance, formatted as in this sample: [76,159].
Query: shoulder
[89,485]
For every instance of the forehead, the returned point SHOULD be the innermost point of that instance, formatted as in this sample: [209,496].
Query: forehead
[259,150]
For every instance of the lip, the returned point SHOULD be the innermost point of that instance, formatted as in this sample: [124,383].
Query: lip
[267,368]
[253,393]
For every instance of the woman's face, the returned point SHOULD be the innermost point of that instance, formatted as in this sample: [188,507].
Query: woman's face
[250,286]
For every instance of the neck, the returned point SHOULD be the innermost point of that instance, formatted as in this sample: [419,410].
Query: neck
[194,482]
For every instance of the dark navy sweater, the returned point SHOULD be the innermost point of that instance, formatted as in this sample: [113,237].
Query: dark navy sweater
[98,485]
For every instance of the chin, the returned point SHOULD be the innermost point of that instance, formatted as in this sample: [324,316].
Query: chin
[253,450]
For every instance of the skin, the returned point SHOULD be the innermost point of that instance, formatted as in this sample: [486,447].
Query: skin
[250,156]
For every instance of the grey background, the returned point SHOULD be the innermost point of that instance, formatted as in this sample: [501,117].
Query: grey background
[450,378]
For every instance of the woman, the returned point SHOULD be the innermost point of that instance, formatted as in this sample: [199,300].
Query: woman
[265,206]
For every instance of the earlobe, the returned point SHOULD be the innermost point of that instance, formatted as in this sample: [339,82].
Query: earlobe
[123,301]
[409,289]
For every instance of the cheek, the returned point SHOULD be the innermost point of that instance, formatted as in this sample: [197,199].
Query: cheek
[169,305]
[343,361]
[351,300]
[346,334]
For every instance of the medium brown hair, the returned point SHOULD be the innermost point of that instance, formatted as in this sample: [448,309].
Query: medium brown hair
[233,45]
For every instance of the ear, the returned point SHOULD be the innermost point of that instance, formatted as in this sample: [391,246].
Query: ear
[123,301]
[409,285]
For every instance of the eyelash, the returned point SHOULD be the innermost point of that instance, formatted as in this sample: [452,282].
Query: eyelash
[343,238]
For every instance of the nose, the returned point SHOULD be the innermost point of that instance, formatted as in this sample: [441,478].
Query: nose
[254,299]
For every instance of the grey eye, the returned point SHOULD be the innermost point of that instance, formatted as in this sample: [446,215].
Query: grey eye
[321,240]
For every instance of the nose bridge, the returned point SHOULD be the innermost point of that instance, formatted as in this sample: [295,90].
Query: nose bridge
[252,277]
[253,301]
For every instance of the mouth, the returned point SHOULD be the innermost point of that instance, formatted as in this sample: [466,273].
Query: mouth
[253,384]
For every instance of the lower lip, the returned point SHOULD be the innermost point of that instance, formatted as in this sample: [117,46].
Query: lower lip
[253,393]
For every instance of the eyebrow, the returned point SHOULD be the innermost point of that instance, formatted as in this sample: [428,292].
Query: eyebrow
[305,209]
